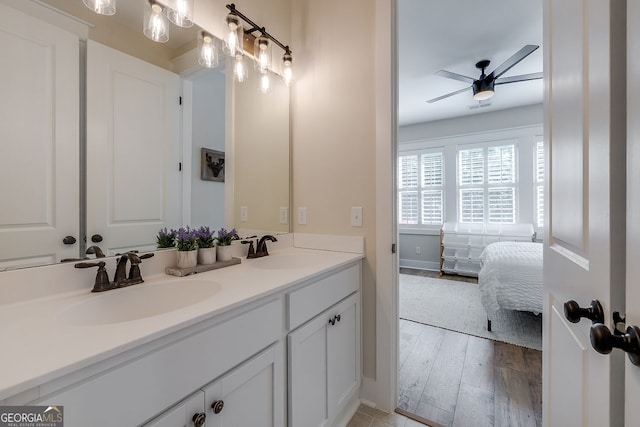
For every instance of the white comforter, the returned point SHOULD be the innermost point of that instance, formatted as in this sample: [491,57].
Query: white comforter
[511,277]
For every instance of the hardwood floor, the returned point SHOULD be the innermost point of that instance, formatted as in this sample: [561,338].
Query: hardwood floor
[453,379]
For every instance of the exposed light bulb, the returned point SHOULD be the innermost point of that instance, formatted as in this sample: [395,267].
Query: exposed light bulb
[102,7]
[180,13]
[240,72]
[264,83]
[234,35]
[155,24]
[262,53]
[287,61]
[208,52]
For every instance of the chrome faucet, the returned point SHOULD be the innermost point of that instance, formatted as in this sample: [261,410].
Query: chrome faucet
[120,279]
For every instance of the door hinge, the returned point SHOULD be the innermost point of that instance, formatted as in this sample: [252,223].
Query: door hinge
[180,166]
[179,100]
[393,248]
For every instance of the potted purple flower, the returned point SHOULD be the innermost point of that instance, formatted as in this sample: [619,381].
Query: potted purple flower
[224,243]
[166,238]
[206,245]
[187,245]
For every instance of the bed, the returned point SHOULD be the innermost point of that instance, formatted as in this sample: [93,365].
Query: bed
[511,278]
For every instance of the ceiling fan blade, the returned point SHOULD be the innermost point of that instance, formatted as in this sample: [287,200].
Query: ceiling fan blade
[431,101]
[515,58]
[454,76]
[520,78]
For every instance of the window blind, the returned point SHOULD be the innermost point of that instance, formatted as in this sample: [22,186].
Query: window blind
[421,189]
[539,168]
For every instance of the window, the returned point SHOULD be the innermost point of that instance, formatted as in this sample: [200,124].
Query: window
[487,184]
[539,185]
[421,189]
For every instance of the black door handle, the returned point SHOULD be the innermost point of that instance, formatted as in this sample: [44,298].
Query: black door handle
[573,312]
[603,341]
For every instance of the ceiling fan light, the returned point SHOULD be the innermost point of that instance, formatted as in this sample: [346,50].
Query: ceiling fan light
[483,90]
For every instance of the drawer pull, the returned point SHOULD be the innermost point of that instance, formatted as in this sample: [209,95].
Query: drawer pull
[217,406]
[199,419]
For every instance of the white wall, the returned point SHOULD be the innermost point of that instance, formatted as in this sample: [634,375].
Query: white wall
[334,131]
[208,131]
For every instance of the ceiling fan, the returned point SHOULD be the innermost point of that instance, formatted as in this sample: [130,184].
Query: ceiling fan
[483,87]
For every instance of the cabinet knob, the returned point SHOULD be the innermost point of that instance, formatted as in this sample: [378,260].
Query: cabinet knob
[69,240]
[199,419]
[217,406]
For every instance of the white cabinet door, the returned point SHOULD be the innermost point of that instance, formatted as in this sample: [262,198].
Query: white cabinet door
[184,414]
[250,395]
[133,149]
[39,161]
[324,364]
[584,243]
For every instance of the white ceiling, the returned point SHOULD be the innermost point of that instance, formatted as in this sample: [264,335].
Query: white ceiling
[453,35]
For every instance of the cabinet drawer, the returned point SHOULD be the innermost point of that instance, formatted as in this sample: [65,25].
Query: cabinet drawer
[149,384]
[308,301]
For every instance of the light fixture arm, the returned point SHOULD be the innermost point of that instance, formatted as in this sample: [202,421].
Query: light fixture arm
[255,27]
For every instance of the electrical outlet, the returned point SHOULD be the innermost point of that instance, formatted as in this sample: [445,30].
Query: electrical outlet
[244,213]
[302,216]
[284,215]
[418,250]
[356,217]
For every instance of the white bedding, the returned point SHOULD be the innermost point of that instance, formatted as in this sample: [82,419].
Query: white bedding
[511,277]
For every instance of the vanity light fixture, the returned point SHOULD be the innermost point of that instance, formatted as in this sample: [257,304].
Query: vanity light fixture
[262,53]
[264,82]
[287,67]
[234,35]
[262,47]
[155,25]
[180,12]
[240,72]
[207,50]
[101,7]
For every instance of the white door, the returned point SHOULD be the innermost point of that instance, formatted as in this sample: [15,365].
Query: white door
[133,150]
[39,134]
[632,373]
[584,240]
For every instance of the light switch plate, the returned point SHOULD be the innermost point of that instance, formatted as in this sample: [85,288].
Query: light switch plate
[284,215]
[356,217]
[244,213]
[302,216]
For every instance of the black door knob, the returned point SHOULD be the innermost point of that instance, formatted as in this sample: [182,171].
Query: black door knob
[217,406]
[603,341]
[69,240]
[573,312]
[199,419]
[96,238]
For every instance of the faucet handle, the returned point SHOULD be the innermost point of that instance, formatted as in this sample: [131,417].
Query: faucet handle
[134,272]
[102,278]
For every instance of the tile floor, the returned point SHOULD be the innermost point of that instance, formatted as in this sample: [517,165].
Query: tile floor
[370,417]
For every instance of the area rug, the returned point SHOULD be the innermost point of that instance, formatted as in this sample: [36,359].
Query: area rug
[456,306]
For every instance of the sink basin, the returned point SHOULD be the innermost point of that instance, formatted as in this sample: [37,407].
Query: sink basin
[138,302]
[290,261]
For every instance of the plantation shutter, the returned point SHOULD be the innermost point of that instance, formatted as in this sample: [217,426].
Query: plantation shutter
[501,205]
[472,205]
[408,212]
[539,213]
[471,167]
[433,194]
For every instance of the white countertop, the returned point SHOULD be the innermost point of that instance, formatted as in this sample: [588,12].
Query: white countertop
[40,344]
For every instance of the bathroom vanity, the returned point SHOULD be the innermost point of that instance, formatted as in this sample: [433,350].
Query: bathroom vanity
[273,341]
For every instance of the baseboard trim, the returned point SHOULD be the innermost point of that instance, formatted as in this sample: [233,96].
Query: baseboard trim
[420,265]
[348,412]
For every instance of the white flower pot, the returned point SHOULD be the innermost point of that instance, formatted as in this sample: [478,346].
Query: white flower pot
[207,255]
[187,259]
[224,253]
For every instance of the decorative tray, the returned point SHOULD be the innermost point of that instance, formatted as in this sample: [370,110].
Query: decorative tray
[200,268]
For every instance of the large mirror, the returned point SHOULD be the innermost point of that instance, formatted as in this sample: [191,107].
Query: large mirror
[109,136]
